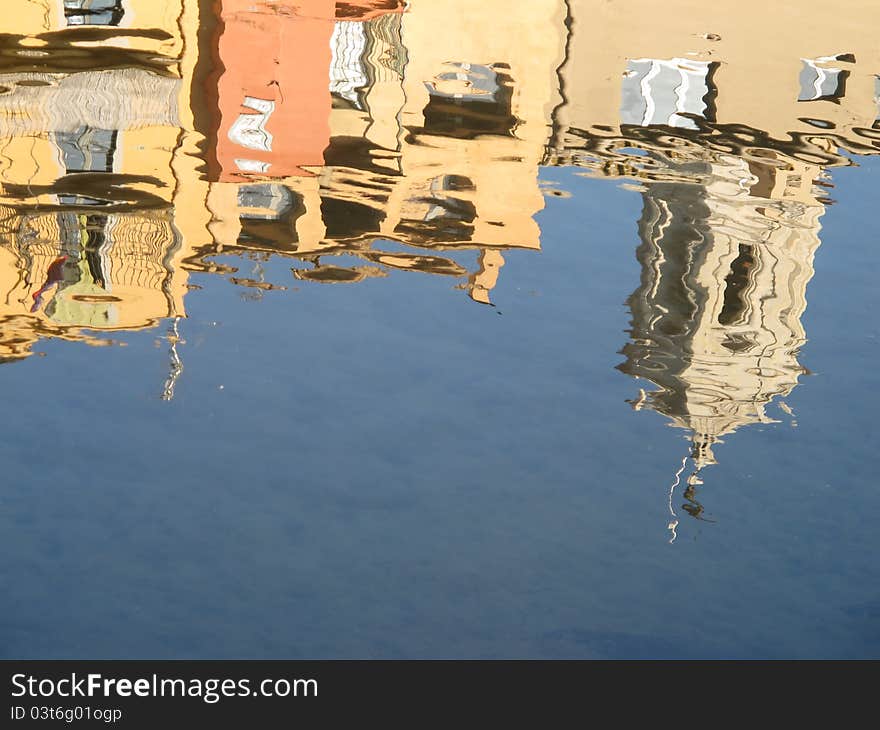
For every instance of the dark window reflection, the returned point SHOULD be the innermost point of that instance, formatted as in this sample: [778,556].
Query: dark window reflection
[87,150]
[877,100]
[736,286]
[445,217]
[469,100]
[349,219]
[268,215]
[93,12]
[96,239]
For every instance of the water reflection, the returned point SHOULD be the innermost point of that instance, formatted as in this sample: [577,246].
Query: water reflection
[730,150]
[140,140]
[716,320]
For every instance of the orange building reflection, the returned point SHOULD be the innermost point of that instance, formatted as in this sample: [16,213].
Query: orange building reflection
[271,61]
[381,143]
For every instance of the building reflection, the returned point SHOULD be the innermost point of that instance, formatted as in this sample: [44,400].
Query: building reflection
[716,320]
[89,119]
[143,139]
[140,141]
[733,190]
[379,137]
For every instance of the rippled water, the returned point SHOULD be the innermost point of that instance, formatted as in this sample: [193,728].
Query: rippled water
[438,329]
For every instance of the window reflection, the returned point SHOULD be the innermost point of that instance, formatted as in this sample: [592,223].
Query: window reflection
[667,92]
[820,82]
[470,99]
[93,12]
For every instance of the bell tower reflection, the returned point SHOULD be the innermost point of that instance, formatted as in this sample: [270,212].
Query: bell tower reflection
[716,319]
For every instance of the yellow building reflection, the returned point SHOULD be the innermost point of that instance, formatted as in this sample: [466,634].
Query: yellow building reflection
[90,99]
[128,152]
[140,140]
[433,145]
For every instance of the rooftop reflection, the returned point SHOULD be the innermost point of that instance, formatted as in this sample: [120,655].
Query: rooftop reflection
[141,140]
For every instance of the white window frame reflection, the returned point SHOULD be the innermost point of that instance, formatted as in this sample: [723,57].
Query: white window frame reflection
[646,102]
[348,45]
[819,82]
[249,130]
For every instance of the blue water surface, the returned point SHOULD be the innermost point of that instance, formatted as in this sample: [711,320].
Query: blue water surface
[391,470]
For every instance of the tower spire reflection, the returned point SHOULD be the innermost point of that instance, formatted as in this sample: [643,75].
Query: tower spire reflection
[726,254]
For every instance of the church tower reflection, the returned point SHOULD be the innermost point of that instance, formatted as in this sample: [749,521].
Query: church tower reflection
[726,254]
